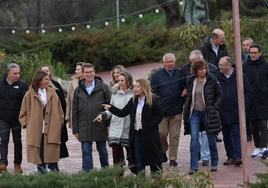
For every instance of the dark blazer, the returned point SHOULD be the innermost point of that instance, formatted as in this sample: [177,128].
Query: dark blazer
[169,86]
[213,96]
[229,105]
[209,55]
[150,140]
[64,133]
[257,74]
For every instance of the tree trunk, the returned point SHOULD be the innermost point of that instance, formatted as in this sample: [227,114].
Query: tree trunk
[173,17]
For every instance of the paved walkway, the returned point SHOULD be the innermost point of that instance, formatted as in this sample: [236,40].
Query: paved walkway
[226,177]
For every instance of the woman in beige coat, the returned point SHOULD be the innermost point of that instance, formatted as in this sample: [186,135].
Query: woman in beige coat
[73,85]
[42,116]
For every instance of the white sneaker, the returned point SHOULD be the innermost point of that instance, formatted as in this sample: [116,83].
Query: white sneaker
[256,153]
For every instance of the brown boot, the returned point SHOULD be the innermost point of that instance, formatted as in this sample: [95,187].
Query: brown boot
[3,168]
[18,168]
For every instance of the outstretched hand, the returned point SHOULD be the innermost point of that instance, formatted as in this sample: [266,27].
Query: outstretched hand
[106,106]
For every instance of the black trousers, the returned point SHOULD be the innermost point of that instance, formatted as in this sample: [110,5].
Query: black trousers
[260,133]
[15,128]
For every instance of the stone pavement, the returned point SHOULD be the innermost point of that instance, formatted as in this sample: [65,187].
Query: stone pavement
[226,177]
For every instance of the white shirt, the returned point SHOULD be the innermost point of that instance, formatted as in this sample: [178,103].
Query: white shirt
[138,123]
[42,93]
[215,48]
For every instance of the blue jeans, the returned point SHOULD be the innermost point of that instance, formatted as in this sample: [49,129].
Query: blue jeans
[196,120]
[203,139]
[231,138]
[87,161]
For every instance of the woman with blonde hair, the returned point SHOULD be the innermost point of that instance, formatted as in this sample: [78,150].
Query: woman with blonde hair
[119,126]
[73,85]
[42,116]
[145,115]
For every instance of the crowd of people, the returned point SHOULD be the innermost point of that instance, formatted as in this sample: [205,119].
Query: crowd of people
[141,121]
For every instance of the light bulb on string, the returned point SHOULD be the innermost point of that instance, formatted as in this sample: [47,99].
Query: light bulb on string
[157,11]
[123,20]
[181,3]
[140,15]
[60,29]
[13,31]
[88,26]
[43,31]
[106,23]
[27,31]
[73,28]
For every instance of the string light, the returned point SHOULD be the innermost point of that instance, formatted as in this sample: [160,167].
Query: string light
[140,13]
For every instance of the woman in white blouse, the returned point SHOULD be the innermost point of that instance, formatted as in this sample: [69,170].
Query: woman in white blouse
[145,115]
[42,116]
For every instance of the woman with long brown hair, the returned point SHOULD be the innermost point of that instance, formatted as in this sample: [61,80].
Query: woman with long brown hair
[42,116]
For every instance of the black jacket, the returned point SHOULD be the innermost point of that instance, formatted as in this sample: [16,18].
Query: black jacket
[64,133]
[150,140]
[212,96]
[10,99]
[209,55]
[257,73]
[169,88]
[229,105]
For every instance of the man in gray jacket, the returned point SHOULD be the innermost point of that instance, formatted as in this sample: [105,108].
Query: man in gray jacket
[87,104]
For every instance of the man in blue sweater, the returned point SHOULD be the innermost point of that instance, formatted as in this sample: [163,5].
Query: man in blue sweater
[168,83]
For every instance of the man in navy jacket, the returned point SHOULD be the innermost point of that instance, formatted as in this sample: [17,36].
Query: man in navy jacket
[168,83]
[229,110]
[12,90]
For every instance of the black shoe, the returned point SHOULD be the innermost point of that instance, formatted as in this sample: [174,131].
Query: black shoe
[214,169]
[164,158]
[218,139]
[173,163]
[205,163]
[237,162]
[228,162]
[192,171]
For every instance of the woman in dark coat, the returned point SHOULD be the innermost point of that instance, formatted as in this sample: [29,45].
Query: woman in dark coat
[201,112]
[145,115]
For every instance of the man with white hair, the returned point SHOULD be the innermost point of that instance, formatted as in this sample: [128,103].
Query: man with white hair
[12,90]
[213,47]
[168,83]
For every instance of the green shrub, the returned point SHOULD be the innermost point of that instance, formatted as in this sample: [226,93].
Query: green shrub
[105,178]
[30,63]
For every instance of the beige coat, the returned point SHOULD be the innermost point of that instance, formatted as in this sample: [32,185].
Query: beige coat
[31,118]
[73,85]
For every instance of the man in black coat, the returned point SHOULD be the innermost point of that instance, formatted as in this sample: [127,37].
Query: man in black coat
[213,47]
[12,90]
[256,70]
[229,110]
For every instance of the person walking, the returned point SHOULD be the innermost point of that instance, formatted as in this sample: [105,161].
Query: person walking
[87,105]
[201,112]
[119,127]
[145,116]
[12,90]
[42,116]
